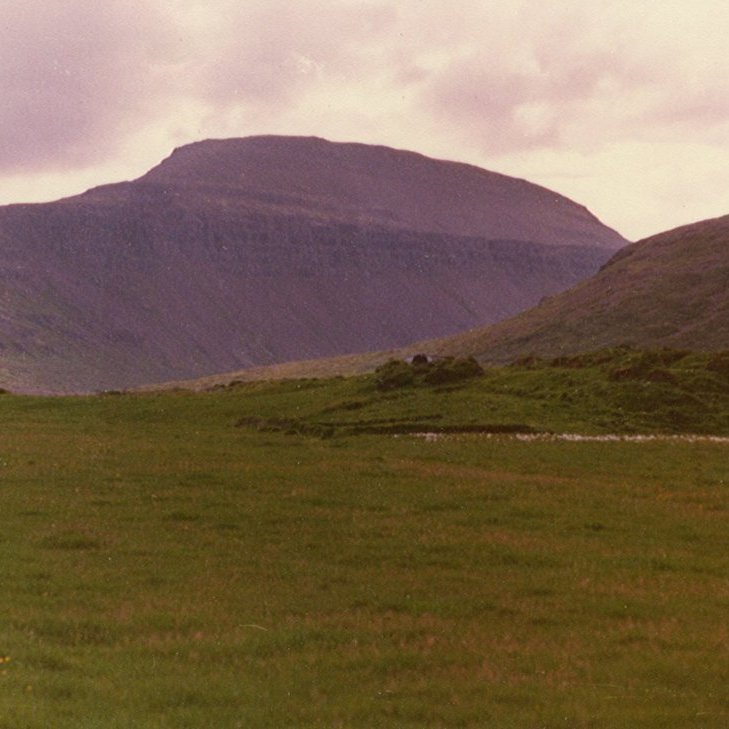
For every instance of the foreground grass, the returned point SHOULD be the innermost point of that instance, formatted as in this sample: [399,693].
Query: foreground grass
[163,568]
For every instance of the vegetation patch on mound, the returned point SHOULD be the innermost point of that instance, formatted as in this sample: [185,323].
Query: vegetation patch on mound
[617,390]
[421,370]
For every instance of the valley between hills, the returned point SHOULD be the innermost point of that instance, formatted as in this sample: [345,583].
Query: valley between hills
[668,291]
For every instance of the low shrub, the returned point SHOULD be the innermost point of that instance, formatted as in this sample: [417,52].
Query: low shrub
[398,373]
[643,374]
[393,374]
[719,364]
[450,370]
[528,361]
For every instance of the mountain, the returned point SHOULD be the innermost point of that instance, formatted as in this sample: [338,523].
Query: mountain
[242,252]
[669,290]
[379,186]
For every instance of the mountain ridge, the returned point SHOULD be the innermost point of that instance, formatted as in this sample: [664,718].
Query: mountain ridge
[329,175]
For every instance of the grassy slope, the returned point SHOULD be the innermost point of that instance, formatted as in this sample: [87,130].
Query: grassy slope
[325,367]
[163,568]
[668,290]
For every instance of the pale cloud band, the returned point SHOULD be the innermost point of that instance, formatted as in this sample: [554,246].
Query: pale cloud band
[622,106]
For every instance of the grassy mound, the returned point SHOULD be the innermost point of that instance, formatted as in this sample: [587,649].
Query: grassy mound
[617,390]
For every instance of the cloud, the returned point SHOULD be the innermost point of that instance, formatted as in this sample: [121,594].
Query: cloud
[272,54]
[79,76]
[546,89]
[573,76]
[73,74]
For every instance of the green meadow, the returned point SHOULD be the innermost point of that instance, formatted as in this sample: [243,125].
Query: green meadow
[297,554]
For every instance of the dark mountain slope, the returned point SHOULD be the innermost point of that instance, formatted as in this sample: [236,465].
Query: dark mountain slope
[670,290]
[246,252]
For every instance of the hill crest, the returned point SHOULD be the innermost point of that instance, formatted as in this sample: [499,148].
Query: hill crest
[383,186]
[668,290]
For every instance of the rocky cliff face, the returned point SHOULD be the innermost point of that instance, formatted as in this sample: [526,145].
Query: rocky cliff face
[245,252]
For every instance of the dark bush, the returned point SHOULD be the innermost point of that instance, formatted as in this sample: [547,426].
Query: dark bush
[393,374]
[719,363]
[452,370]
[656,358]
[528,361]
[397,373]
[643,373]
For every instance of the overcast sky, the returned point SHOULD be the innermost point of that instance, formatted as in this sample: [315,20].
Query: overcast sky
[622,105]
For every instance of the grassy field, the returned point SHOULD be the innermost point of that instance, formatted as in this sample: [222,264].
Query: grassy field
[248,558]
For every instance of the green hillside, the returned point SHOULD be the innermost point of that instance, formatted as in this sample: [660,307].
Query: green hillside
[291,555]
[671,290]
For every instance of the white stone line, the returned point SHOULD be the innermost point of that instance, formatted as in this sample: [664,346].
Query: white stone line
[578,437]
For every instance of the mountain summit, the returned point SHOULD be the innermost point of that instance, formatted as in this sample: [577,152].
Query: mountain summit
[241,252]
[383,187]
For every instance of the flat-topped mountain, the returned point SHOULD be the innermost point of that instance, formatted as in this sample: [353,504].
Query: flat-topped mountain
[383,187]
[243,252]
[669,290]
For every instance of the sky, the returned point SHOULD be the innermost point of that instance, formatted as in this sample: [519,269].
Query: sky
[621,105]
